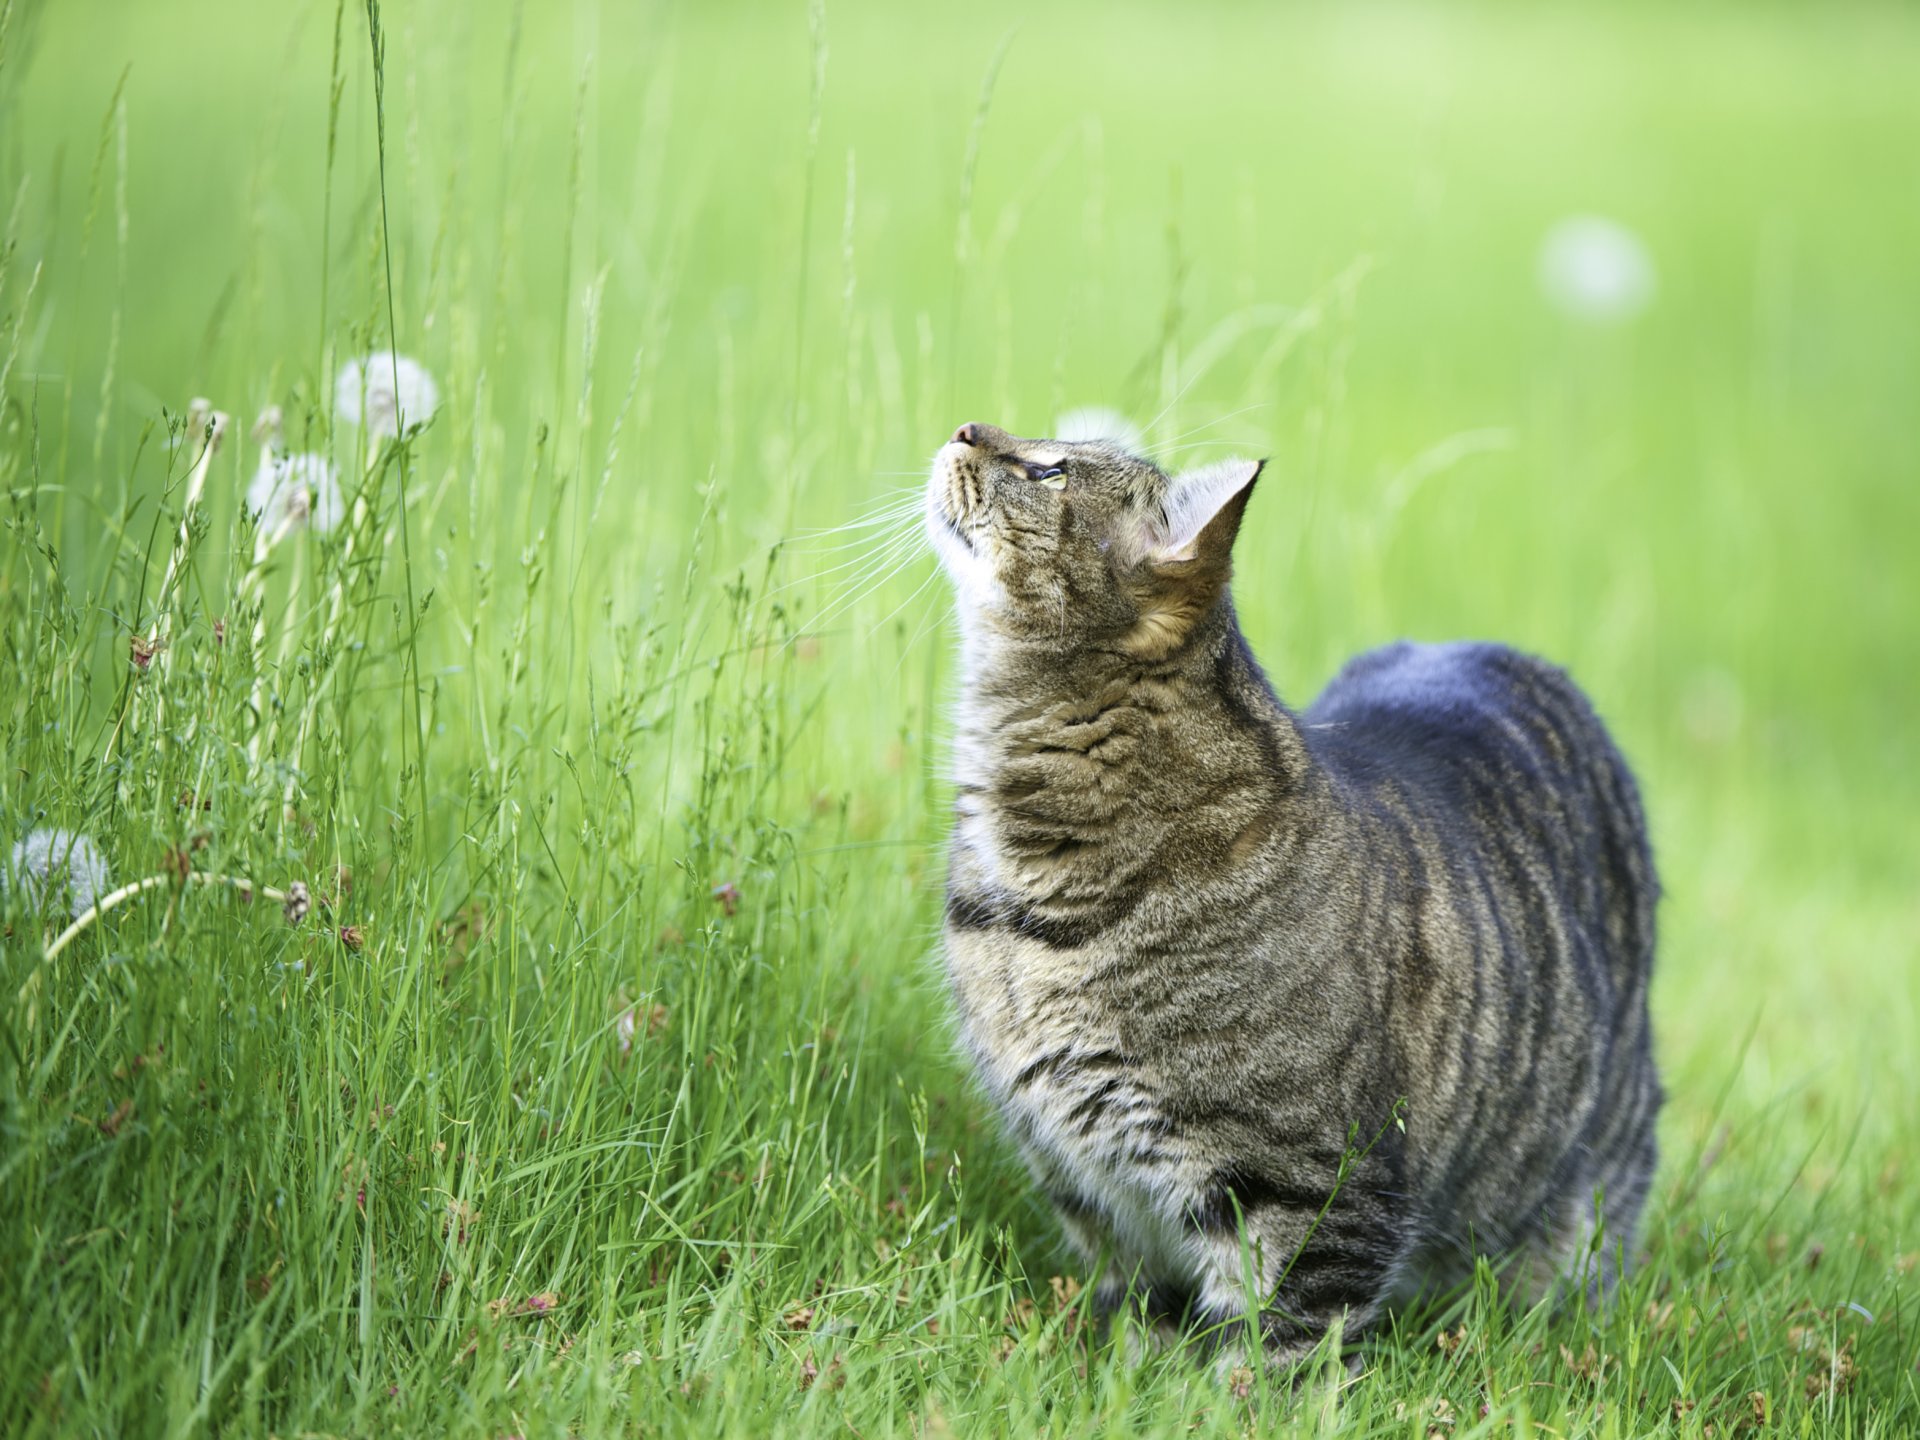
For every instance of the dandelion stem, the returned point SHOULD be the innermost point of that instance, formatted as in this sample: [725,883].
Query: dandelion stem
[127,892]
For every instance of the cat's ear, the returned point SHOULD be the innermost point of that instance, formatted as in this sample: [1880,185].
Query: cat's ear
[1188,554]
[1203,509]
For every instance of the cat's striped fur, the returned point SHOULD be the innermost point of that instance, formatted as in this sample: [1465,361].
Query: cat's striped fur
[1204,947]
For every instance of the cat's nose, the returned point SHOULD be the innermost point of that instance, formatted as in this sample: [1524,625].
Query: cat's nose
[968,434]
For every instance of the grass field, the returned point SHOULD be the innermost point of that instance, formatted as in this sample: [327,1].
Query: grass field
[626,1104]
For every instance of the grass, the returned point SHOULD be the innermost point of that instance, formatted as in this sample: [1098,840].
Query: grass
[571,720]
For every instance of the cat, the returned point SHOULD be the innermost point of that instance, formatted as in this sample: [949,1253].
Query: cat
[1290,1013]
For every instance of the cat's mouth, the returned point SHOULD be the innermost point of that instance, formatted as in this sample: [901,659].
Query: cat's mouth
[953,508]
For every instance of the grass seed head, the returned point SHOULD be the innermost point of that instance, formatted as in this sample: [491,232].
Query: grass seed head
[206,427]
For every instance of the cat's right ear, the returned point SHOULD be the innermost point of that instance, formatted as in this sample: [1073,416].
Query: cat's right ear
[1202,513]
[1187,554]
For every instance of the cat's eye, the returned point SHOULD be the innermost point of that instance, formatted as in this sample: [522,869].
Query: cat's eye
[1051,476]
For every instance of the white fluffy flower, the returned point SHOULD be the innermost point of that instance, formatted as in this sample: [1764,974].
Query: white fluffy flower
[57,866]
[1092,422]
[1593,268]
[385,391]
[289,491]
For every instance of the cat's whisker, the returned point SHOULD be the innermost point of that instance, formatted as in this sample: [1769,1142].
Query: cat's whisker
[935,613]
[845,604]
[900,523]
[866,523]
[1173,443]
[918,591]
[877,552]
[892,510]
[1166,409]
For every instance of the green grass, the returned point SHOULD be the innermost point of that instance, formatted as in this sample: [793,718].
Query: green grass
[694,284]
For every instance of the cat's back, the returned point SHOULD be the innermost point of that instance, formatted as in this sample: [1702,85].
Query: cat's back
[1453,715]
[1498,755]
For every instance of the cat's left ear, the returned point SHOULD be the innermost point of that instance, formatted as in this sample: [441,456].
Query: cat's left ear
[1203,510]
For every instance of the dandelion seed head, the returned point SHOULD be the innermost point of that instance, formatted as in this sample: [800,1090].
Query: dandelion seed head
[289,491]
[55,865]
[1594,268]
[1095,422]
[383,391]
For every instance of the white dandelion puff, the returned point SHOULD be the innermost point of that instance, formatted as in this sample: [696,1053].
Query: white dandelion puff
[385,391]
[1094,422]
[1594,268]
[58,865]
[291,491]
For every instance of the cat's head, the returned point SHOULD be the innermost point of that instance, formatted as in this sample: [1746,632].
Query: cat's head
[1083,544]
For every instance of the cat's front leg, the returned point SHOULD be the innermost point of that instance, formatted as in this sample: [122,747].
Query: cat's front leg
[1122,1289]
[1298,1273]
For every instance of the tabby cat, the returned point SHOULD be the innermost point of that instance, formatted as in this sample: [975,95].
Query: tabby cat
[1337,999]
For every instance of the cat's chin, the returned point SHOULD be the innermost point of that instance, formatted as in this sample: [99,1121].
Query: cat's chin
[969,570]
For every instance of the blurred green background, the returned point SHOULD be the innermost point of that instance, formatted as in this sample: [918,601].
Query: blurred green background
[754,262]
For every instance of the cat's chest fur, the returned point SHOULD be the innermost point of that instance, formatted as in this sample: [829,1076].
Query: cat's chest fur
[1051,998]
[1089,1116]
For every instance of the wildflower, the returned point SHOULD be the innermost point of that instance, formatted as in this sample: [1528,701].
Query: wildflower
[386,392]
[727,897]
[142,650]
[1593,268]
[1093,422]
[291,490]
[299,902]
[55,865]
[352,936]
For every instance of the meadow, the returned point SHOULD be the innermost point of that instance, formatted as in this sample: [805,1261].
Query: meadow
[600,1083]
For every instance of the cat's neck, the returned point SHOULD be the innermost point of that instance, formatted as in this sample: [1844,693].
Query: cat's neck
[1196,714]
